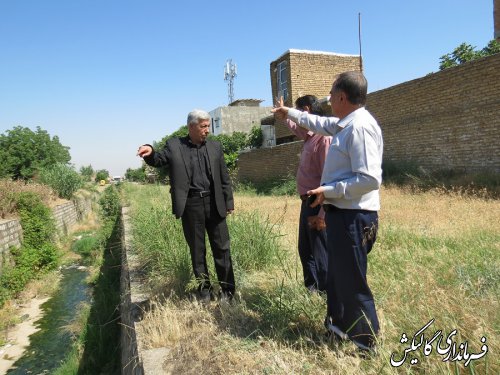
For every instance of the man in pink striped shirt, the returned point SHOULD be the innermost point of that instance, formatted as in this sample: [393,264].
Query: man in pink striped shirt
[312,232]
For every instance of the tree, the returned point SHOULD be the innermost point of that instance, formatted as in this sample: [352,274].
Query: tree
[101,174]
[87,172]
[138,174]
[62,178]
[465,52]
[256,137]
[231,146]
[23,152]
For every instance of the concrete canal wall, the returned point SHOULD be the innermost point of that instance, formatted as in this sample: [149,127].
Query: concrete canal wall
[66,215]
[136,359]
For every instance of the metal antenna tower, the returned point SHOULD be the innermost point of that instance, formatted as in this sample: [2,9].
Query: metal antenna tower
[229,74]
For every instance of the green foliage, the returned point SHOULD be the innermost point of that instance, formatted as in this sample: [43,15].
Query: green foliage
[23,152]
[62,178]
[138,175]
[37,252]
[36,220]
[101,174]
[158,237]
[86,245]
[232,143]
[254,242]
[87,172]
[110,203]
[276,186]
[465,52]
[96,349]
[256,137]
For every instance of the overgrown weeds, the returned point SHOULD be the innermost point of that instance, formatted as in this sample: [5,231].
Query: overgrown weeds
[415,178]
[10,190]
[37,253]
[275,186]
[96,346]
[436,257]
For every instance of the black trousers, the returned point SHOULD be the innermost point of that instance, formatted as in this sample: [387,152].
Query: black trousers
[312,250]
[351,235]
[201,215]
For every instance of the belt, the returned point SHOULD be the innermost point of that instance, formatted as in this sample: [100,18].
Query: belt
[198,194]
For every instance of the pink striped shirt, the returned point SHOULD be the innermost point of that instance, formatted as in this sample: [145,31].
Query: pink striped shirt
[312,157]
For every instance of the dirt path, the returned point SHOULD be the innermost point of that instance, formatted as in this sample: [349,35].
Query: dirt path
[18,337]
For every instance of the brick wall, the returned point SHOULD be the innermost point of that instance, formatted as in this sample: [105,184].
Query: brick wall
[66,216]
[444,120]
[269,163]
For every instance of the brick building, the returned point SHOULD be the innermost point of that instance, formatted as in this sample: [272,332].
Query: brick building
[445,120]
[301,72]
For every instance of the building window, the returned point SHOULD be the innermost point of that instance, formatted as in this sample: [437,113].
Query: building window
[282,79]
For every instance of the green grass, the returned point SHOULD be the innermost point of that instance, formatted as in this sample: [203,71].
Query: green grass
[277,325]
[277,187]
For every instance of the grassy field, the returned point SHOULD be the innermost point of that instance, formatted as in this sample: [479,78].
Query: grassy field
[436,257]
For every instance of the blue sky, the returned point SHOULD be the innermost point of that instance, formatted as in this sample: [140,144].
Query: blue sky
[108,75]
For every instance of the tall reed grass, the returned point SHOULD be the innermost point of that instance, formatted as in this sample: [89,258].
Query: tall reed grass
[436,257]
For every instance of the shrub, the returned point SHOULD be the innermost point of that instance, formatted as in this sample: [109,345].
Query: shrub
[101,175]
[37,253]
[36,220]
[86,245]
[62,178]
[110,203]
[10,190]
[255,138]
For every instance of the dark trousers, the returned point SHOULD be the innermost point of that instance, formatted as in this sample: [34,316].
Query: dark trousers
[351,235]
[312,250]
[201,215]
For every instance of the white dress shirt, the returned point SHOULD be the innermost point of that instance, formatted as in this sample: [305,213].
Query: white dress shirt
[353,169]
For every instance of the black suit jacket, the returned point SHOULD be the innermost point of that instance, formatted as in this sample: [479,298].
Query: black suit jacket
[175,156]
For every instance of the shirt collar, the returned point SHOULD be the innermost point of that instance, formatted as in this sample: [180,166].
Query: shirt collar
[193,144]
[346,120]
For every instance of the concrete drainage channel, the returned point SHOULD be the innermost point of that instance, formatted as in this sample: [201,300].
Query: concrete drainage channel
[135,359]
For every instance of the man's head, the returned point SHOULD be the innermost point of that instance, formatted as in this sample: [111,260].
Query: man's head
[348,93]
[309,103]
[198,122]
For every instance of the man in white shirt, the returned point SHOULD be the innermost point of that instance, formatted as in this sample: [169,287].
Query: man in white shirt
[349,193]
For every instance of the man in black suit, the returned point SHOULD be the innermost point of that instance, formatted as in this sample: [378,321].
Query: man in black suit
[201,196]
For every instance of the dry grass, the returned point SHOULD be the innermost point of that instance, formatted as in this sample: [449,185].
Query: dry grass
[436,257]
[9,189]
[436,214]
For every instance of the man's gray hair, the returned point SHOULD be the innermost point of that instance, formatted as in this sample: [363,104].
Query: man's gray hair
[197,115]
